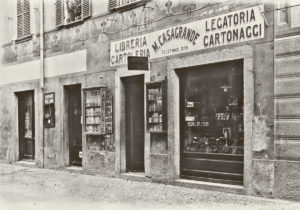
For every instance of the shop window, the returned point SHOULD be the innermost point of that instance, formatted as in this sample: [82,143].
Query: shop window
[120,4]
[212,110]
[23,19]
[72,11]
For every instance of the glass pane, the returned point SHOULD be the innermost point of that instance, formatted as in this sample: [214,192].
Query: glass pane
[28,122]
[72,10]
[155,111]
[213,109]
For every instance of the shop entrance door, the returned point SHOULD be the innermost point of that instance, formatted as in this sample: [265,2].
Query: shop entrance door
[212,133]
[26,125]
[134,120]
[74,124]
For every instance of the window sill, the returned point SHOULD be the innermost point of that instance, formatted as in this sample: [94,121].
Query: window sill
[74,23]
[23,39]
[285,32]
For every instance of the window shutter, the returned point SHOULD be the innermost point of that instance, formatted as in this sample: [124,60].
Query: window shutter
[112,4]
[86,8]
[19,19]
[26,18]
[59,13]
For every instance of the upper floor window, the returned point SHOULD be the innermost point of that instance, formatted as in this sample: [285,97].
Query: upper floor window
[116,4]
[70,11]
[23,18]
[288,13]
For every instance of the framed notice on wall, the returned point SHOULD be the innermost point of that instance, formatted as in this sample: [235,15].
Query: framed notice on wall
[49,110]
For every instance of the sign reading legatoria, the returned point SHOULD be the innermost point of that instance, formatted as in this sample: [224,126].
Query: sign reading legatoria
[234,27]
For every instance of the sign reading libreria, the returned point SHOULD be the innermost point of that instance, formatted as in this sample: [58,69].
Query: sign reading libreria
[234,27]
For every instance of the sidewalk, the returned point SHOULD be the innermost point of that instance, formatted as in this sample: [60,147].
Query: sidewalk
[32,188]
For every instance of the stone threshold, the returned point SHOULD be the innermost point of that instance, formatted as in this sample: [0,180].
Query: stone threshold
[26,163]
[235,189]
[74,169]
[135,176]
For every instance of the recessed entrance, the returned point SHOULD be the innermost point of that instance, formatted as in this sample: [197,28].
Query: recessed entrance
[211,122]
[73,96]
[26,125]
[134,120]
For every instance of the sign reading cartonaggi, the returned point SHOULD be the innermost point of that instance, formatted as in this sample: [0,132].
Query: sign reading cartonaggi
[234,27]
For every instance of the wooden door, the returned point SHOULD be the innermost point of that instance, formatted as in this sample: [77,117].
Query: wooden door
[74,124]
[26,125]
[134,119]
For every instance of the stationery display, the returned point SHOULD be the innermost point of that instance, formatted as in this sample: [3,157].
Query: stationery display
[156,107]
[94,110]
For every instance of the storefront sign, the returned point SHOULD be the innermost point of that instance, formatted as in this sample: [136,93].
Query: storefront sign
[49,98]
[138,63]
[234,27]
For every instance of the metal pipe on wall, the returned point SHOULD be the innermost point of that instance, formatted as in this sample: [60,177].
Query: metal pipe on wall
[42,71]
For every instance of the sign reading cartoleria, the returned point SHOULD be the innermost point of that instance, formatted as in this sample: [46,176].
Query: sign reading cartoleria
[234,27]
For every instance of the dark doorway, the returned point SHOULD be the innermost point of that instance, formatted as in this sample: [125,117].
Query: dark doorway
[212,128]
[74,124]
[26,125]
[134,120]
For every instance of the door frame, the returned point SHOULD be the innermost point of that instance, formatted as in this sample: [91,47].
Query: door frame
[18,95]
[137,77]
[244,53]
[65,123]
[119,119]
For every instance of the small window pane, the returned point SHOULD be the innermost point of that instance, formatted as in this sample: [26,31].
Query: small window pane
[73,10]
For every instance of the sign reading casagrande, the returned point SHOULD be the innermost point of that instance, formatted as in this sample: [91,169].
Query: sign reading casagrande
[234,27]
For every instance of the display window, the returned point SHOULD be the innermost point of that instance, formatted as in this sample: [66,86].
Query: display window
[213,111]
[212,129]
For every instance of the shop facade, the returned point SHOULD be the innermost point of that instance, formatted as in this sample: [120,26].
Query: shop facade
[202,115]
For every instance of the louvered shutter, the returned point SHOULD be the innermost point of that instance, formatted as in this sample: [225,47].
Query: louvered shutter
[86,8]
[59,13]
[19,19]
[26,18]
[112,4]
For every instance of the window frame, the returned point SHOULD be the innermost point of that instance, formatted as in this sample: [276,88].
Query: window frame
[63,15]
[28,36]
[119,7]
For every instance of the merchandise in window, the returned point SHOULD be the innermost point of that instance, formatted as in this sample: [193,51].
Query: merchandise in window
[213,110]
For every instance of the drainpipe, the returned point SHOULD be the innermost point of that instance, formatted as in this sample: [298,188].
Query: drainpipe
[42,72]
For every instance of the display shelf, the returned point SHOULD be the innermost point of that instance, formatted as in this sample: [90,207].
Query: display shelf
[157,107]
[94,110]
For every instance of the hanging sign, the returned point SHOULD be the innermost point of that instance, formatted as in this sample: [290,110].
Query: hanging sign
[49,98]
[231,28]
[138,63]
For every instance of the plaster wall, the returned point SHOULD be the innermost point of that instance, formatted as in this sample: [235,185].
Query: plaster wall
[287,136]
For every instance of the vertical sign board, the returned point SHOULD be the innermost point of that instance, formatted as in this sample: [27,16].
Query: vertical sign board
[49,110]
[138,63]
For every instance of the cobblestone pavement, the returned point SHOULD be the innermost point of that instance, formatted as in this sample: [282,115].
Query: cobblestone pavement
[31,188]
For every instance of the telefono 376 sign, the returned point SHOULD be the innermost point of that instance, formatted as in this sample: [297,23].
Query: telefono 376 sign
[234,27]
